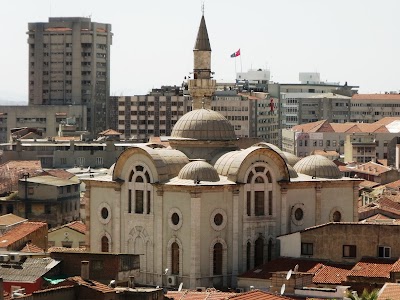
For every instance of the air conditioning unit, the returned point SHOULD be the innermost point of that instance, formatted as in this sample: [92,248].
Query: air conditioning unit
[15,257]
[171,280]
[4,258]
[201,289]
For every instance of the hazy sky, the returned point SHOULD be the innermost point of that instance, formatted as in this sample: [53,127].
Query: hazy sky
[357,41]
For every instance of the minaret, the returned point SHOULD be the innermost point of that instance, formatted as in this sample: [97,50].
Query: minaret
[202,87]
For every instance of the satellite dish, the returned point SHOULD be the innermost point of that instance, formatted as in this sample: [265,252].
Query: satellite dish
[180,287]
[289,274]
[283,289]
[296,268]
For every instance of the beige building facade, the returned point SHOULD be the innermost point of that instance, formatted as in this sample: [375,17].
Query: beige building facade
[203,211]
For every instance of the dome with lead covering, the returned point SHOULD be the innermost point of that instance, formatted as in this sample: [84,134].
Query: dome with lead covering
[199,170]
[318,166]
[291,158]
[203,125]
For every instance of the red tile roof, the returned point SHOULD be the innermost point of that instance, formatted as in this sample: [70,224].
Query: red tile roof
[368,184]
[372,268]
[371,168]
[11,172]
[258,295]
[375,97]
[31,248]
[19,232]
[283,264]
[75,225]
[395,185]
[110,132]
[91,284]
[209,294]
[59,173]
[383,204]
[389,291]
[331,274]
[10,219]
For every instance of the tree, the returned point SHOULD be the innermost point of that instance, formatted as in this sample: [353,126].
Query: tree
[366,295]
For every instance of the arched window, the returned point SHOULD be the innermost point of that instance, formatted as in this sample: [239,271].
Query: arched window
[175,258]
[259,252]
[105,244]
[217,259]
[248,254]
[259,187]
[337,216]
[139,191]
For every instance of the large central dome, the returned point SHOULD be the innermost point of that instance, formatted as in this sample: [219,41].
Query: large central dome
[204,125]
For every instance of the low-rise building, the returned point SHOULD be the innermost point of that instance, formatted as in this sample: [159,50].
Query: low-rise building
[16,238]
[347,242]
[71,235]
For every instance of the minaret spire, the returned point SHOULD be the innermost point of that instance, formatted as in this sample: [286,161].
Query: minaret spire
[202,86]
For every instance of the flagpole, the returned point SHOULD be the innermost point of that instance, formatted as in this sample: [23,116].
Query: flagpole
[235,69]
[241,63]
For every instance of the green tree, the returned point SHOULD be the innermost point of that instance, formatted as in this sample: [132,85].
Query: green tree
[366,295]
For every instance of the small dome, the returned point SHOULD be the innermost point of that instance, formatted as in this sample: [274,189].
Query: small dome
[199,170]
[205,125]
[291,158]
[318,166]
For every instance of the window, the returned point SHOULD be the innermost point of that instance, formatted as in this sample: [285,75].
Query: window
[384,251]
[337,216]
[259,252]
[248,253]
[139,201]
[259,203]
[298,214]
[175,218]
[334,143]
[248,203]
[328,143]
[217,259]
[306,249]
[321,143]
[104,213]
[30,190]
[175,258]
[104,244]
[349,251]
[99,161]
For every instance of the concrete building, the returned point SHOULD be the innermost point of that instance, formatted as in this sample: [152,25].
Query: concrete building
[370,108]
[303,139]
[46,119]
[360,148]
[70,235]
[203,208]
[69,64]
[347,242]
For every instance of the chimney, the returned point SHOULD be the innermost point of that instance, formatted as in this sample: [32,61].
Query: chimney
[85,270]
[131,282]
[1,289]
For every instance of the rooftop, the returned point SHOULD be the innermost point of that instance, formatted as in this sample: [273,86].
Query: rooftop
[19,232]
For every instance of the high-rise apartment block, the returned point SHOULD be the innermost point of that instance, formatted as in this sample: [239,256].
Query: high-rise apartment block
[69,64]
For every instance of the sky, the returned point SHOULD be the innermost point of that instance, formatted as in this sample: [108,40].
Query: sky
[357,41]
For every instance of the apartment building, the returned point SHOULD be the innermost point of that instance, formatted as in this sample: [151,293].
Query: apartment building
[143,116]
[69,64]
[365,140]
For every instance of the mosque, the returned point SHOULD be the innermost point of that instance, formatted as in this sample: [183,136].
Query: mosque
[202,211]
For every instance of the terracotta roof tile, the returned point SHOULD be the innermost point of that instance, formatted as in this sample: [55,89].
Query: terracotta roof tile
[383,204]
[325,153]
[67,138]
[396,266]
[331,274]
[91,284]
[389,291]
[372,268]
[209,294]
[258,295]
[64,249]
[32,248]
[395,185]
[371,168]
[368,184]
[310,127]
[10,219]
[387,120]
[283,264]
[19,232]
[110,132]
[75,225]
[375,97]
